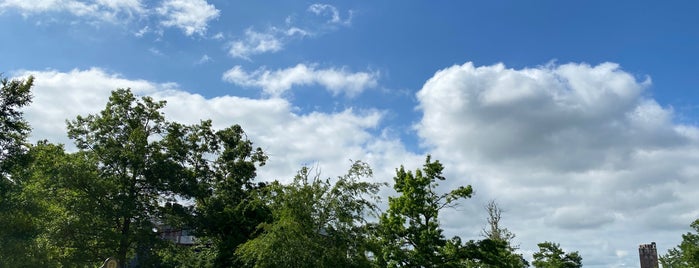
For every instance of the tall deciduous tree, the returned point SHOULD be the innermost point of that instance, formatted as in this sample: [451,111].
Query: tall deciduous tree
[147,166]
[18,229]
[132,162]
[14,95]
[316,223]
[551,255]
[409,232]
[227,211]
[686,254]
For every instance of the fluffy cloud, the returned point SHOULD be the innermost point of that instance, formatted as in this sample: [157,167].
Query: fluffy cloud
[191,16]
[571,151]
[275,83]
[326,141]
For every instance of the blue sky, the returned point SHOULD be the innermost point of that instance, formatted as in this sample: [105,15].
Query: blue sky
[579,117]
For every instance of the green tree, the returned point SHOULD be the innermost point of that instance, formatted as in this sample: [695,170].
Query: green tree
[227,212]
[17,215]
[316,223]
[686,254]
[408,233]
[14,129]
[550,255]
[136,173]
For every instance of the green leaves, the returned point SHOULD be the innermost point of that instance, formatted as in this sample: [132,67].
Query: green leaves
[315,223]
[687,253]
[409,232]
[550,255]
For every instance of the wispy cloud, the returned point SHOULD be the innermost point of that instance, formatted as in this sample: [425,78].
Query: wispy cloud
[277,82]
[273,39]
[255,42]
[332,12]
[204,59]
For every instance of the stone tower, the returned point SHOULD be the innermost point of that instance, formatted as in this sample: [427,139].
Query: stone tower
[649,255]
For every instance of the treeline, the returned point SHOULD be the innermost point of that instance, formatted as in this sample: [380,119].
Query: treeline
[135,172]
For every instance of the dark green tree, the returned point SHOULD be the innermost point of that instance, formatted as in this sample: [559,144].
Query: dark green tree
[14,129]
[17,215]
[316,223]
[408,232]
[686,254]
[551,255]
[145,166]
[227,212]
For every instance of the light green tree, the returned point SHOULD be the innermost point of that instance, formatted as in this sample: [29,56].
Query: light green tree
[550,255]
[408,233]
[316,222]
[686,254]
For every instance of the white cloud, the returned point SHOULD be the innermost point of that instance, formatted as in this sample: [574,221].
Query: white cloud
[103,10]
[204,59]
[255,43]
[191,16]
[273,39]
[325,140]
[276,83]
[326,9]
[576,154]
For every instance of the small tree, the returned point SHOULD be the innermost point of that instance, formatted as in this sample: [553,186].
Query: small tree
[550,255]
[409,232]
[315,223]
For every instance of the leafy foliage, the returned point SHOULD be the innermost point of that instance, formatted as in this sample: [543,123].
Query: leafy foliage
[316,223]
[687,253]
[409,232]
[550,255]
[14,95]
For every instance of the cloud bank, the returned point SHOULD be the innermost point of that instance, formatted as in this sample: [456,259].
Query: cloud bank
[326,141]
[576,148]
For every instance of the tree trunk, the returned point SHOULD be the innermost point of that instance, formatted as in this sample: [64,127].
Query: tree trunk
[124,244]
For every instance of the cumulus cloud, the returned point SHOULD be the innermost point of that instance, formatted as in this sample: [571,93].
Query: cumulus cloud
[190,16]
[326,141]
[277,82]
[576,148]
